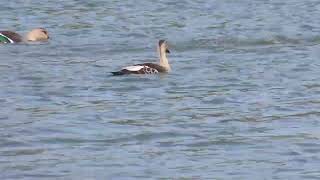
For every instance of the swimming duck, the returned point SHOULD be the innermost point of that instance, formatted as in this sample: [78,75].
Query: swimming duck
[150,68]
[38,34]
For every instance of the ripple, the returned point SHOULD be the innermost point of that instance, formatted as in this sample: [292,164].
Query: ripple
[240,102]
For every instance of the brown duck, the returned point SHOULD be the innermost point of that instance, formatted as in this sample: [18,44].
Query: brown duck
[149,68]
[38,34]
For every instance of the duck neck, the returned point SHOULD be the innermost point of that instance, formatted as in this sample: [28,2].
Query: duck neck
[164,60]
[28,37]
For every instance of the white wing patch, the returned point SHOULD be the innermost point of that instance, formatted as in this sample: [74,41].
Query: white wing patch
[133,68]
[141,69]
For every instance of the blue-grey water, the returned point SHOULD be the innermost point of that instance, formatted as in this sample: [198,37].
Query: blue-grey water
[242,101]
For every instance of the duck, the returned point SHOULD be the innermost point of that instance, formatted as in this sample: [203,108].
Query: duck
[149,68]
[38,34]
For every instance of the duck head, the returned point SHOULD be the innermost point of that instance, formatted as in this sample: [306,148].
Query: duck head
[163,46]
[38,34]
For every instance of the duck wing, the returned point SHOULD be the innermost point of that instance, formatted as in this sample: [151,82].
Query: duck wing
[13,37]
[153,66]
[145,68]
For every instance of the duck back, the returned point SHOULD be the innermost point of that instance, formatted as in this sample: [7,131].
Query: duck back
[9,37]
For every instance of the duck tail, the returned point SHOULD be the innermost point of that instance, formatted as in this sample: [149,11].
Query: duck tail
[118,73]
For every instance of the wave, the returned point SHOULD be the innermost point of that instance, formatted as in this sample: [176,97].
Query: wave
[235,42]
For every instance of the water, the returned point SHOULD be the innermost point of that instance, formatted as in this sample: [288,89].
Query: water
[242,101]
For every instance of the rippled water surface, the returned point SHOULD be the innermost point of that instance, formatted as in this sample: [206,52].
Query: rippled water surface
[242,101]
